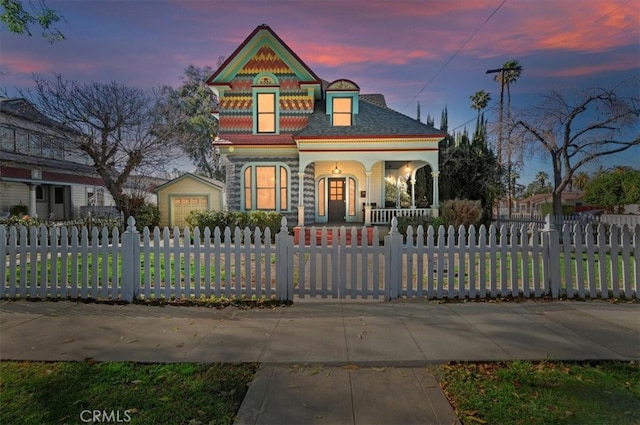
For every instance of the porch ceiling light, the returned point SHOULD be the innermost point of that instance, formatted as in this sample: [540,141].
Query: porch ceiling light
[337,170]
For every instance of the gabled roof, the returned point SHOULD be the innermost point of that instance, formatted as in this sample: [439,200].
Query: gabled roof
[21,108]
[205,180]
[261,35]
[372,120]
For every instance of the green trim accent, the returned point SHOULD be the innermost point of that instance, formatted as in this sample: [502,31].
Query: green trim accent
[252,48]
[355,106]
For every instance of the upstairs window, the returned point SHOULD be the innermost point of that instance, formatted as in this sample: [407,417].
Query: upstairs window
[266,112]
[342,111]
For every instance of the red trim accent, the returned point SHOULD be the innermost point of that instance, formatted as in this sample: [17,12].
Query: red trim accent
[369,150]
[50,177]
[355,136]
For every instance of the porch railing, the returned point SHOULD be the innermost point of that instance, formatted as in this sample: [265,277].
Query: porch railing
[384,215]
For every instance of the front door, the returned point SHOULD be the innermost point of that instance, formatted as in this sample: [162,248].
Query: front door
[337,206]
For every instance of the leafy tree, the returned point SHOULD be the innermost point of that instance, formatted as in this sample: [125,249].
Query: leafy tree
[615,189]
[601,122]
[197,101]
[467,173]
[122,130]
[18,20]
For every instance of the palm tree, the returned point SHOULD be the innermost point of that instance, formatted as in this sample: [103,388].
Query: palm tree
[509,74]
[580,180]
[480,100]
[541,177]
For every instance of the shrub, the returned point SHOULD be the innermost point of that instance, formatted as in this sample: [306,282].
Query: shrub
[233,219]
[425,221]
[19,210]
[460,212]
[21,220]
[147,215]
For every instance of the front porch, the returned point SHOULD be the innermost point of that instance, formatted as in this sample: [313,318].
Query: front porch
[376,227]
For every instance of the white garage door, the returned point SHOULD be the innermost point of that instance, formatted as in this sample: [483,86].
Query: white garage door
[183,205]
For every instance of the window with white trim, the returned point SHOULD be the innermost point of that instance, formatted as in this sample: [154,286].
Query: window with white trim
[266,187]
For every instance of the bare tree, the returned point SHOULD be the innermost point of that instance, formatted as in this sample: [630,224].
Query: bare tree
[600,122]
[122,129]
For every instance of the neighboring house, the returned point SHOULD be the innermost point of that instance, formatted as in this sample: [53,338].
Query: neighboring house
[533,204]
[40,169]
[315,151]
[189,192]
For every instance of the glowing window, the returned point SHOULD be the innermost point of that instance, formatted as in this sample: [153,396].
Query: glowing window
[266,113]
[342,111]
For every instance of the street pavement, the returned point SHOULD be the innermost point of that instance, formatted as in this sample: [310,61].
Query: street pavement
[327,361]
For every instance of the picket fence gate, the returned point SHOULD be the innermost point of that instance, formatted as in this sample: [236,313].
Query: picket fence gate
[573,261]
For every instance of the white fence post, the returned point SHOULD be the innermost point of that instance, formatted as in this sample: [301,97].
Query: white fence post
[392,261]
[551,257]
[130,261]
[284,263]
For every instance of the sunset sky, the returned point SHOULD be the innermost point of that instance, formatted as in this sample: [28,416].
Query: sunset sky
[434,52]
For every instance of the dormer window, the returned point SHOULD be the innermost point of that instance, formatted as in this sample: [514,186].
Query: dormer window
[342,110]
[342,102]
[266,100]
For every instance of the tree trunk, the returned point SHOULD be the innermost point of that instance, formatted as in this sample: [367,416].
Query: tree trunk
[557,182]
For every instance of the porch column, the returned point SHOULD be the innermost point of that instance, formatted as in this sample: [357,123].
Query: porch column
[367,202]
[435,205]
[300,199]
[413,190]
[32,201]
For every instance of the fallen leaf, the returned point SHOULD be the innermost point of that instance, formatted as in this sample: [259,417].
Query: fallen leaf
[350,367]
[132,341]
[67,340]
[379,369]
[179,345]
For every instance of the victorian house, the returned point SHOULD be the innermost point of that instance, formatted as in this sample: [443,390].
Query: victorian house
[316,151]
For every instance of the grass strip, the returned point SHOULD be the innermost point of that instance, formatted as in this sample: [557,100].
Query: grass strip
[534,393]
[71,392]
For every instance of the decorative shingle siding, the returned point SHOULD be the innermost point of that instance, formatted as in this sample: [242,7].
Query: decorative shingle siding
[236,106]
[309,194]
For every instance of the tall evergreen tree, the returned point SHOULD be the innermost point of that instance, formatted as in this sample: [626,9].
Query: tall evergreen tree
[444,120]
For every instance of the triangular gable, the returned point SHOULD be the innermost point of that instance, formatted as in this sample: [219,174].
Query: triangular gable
[263,47]
[209,182]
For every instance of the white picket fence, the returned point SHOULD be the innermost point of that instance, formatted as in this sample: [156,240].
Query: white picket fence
[575,262]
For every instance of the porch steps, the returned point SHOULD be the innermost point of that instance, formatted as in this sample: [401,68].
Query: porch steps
[330,235]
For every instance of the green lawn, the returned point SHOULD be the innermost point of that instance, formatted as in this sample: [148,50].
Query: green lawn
[481,393]
[57,393]
[543,393]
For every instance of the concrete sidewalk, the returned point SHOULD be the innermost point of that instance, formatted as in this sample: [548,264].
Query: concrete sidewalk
[332,361]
